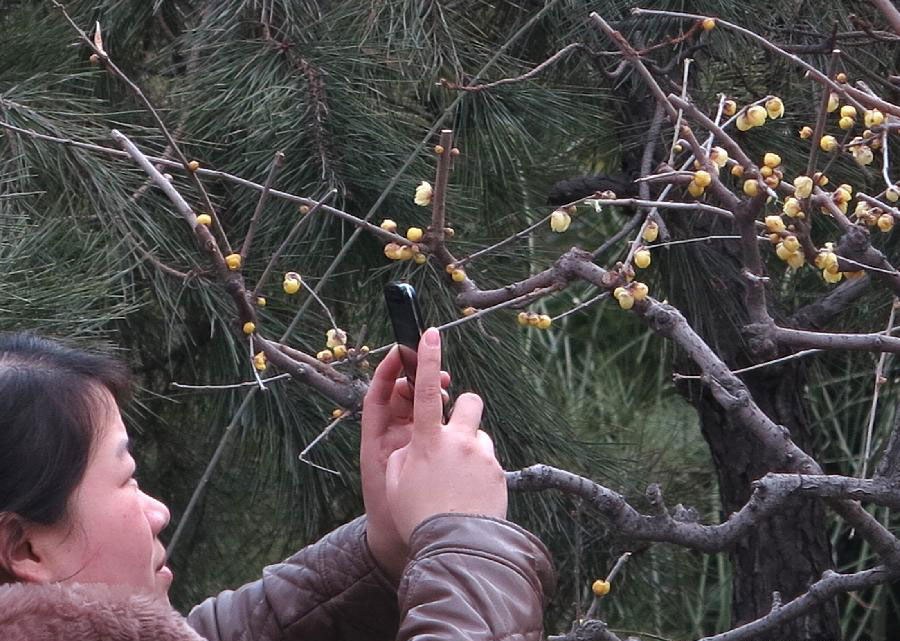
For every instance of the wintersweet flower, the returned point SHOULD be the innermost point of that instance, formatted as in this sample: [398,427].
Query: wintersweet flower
[775,107]
[424,193]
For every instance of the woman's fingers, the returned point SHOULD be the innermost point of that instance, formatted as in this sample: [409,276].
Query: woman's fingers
[405,392]
[467,412]
[427,405]
[382,385]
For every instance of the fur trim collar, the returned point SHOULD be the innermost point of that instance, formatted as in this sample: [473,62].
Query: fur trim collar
[31,612]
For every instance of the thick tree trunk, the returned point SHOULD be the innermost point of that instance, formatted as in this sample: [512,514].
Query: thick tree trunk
[790,550]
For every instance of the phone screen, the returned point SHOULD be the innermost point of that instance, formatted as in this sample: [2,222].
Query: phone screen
[408,323]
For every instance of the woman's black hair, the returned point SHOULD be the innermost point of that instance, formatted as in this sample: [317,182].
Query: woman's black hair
[49,412]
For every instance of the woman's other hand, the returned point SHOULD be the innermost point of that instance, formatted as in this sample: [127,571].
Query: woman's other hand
[443,468]
[387,424]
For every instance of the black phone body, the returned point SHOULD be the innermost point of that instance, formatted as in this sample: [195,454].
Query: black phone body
[408,323]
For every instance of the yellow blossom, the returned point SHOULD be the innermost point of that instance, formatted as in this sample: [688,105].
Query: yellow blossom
[560,221]
[873,117]
[719,156]
[424,192]
[775,107]
[803,186]
[828,143]
[791,207]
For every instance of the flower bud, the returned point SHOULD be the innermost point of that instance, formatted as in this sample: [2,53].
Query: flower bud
[791,207]
[560,221]
[756,115]
[719,156]
[803,186]
[775,224]
[233,261]
[639,290]
[771,160]
[702,178]
[695,190]
[775,108]
[828,143]
[873,117]
[796,260]
[862,154]
[651,232]
[642,258]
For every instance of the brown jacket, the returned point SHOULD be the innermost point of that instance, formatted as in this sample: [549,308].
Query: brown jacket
[469,578]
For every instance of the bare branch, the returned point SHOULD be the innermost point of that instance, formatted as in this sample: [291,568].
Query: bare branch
[277,162]
[890,12]
[830,585]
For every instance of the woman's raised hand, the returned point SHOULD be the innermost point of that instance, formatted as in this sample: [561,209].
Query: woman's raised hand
[443,468]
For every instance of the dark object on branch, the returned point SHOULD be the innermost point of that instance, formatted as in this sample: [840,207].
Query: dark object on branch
[571,189]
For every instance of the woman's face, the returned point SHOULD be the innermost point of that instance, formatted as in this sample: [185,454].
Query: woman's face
[111,532]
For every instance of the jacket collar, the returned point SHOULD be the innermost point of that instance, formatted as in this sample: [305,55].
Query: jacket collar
[57,612]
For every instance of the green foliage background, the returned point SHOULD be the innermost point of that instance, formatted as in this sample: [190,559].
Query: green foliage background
[347,96]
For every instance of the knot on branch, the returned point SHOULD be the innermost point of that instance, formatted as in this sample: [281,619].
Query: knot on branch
[854,242]
[685,514]
[662,317]
[590,630]
[656,501]
[760,339]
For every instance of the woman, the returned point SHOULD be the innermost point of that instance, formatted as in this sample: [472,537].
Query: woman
[80,556]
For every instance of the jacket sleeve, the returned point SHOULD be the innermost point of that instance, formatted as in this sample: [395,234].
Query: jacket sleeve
[329,591]
[474,578]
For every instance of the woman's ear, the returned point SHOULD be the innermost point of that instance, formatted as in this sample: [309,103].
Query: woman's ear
[19,560]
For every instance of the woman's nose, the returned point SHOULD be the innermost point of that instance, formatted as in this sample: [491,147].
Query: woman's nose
[157,513]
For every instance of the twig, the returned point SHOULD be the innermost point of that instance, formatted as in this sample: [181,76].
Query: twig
[684,81]
[185,164]
[879,379]
[277,377]
[321,436]
[857,98]
[277,162]
[259,380]
[821,116]
[322,304]
[438,123]
[442,178]
[525,76]
[274,258]
[830,585]
[594,299]
[776,361]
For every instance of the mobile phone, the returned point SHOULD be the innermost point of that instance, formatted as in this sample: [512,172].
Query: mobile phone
[408,322]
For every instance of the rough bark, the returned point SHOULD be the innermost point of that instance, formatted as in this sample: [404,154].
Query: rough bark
[787,552]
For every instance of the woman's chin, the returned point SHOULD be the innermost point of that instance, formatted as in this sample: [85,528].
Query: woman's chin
[164,578]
